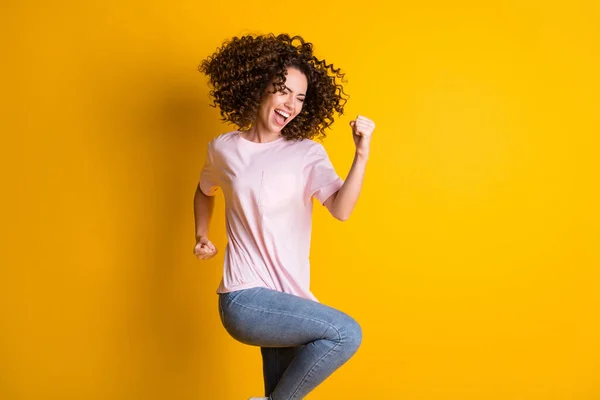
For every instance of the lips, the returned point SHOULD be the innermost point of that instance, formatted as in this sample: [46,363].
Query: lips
[283,113]
[279,119]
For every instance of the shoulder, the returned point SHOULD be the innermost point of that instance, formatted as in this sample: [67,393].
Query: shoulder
[313,150]
[309,147]
[225,137]
[223,140]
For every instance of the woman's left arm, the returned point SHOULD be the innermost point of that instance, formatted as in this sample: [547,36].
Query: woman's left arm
[341,204]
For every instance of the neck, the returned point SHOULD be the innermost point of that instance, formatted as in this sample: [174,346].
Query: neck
[255,134]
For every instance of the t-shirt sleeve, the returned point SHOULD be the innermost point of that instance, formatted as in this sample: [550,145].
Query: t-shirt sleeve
[209,182]
[323,181]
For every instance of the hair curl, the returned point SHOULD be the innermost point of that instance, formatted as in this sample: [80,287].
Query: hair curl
[240,71]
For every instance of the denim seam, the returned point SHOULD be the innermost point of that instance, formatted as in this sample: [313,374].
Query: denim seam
[315,366]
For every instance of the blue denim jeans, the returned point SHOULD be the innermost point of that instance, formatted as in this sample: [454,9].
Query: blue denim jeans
[302,342]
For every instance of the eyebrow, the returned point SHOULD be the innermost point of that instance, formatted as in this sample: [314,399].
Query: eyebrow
[299,94]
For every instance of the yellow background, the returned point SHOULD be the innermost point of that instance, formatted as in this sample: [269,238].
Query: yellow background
[472,260]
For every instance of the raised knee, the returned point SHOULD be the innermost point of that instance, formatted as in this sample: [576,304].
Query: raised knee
[353,335]
[347,333]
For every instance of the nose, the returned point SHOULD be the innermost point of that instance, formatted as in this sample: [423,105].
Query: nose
[290,102]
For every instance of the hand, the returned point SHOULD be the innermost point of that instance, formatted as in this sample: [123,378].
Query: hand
[204,249]
[362,129]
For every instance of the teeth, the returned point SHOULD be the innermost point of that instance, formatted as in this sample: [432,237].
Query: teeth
[283,113]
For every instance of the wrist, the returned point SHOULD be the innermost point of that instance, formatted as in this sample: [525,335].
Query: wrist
[361,155]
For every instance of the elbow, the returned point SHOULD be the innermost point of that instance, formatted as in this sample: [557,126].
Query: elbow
[342,217]
[339,212]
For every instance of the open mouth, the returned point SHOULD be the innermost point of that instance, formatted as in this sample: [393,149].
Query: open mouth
[281,117]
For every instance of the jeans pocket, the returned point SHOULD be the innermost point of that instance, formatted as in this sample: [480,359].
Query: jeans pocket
[231,296]
[226,301]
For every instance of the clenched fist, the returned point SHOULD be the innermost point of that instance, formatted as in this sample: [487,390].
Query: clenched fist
[204,249]
[362,130]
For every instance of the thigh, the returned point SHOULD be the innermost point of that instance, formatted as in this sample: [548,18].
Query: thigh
[269,318]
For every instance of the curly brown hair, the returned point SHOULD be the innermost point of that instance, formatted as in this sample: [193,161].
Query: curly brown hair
[240,71]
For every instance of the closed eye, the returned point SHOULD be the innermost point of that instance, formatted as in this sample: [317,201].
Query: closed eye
[300,99]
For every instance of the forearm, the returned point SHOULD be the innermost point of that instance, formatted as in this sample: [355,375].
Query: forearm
[203,209]
[346,198]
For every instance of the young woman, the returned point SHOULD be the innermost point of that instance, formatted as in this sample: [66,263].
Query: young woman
[280,97]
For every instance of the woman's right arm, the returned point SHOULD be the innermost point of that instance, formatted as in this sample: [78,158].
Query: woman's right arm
[203,209]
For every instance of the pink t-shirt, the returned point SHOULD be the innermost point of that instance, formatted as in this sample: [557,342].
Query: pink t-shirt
[268,190]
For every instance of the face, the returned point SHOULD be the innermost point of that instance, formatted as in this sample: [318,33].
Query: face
[276,110]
